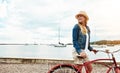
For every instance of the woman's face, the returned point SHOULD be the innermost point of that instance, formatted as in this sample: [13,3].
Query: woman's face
[81,18]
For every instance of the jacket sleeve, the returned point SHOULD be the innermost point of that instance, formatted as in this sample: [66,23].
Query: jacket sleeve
[89,47]
[75,35]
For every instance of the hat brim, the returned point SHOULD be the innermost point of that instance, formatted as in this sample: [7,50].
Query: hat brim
[76,16]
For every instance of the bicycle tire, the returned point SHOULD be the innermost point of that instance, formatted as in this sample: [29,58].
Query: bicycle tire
[64,68]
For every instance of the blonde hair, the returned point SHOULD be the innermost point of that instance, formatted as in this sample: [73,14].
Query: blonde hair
[83,29]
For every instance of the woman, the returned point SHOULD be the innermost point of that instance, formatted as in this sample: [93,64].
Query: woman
[81,39]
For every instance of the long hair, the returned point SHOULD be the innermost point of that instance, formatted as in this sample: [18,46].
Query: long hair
[83,28]
[85,22]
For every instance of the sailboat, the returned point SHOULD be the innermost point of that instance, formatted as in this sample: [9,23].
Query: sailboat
[59,43]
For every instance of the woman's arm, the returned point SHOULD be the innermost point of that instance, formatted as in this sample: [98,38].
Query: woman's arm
[75,35]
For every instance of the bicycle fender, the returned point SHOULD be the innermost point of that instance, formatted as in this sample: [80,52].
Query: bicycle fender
[62,65]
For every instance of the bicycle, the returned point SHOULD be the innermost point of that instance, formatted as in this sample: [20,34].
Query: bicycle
[71,68]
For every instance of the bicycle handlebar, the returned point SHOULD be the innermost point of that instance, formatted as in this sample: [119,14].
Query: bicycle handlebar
[107,51]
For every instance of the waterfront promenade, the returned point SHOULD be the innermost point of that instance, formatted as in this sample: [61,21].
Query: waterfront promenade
[27,65]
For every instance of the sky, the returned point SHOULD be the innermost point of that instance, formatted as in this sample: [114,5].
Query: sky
[39,21]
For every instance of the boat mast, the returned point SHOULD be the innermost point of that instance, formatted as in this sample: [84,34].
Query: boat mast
[59,35]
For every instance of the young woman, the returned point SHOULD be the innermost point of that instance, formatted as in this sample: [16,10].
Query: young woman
[81,39]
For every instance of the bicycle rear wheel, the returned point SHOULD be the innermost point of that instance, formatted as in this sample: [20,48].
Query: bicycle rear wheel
[64,68]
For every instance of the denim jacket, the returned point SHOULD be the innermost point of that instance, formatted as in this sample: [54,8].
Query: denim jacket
[79,39]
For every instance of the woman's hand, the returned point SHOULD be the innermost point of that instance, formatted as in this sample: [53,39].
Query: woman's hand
[83,54]
[95,51]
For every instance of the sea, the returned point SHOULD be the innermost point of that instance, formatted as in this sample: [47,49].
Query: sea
[52,52]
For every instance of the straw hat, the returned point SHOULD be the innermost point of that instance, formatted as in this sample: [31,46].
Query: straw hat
[82,13]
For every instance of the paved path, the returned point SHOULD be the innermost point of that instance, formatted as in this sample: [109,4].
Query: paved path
[37,66]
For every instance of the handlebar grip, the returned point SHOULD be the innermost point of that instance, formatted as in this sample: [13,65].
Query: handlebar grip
[80,56]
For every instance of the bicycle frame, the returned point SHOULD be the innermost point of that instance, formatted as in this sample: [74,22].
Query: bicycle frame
[93,61]
[112,67]
[84,64]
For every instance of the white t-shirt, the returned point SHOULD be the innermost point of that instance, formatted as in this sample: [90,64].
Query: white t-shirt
[87,41]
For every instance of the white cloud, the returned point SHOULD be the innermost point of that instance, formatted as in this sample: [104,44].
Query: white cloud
[3,10]
[15,34]
[29,20]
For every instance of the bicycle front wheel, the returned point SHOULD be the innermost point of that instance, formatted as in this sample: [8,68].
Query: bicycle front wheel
[64,68]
